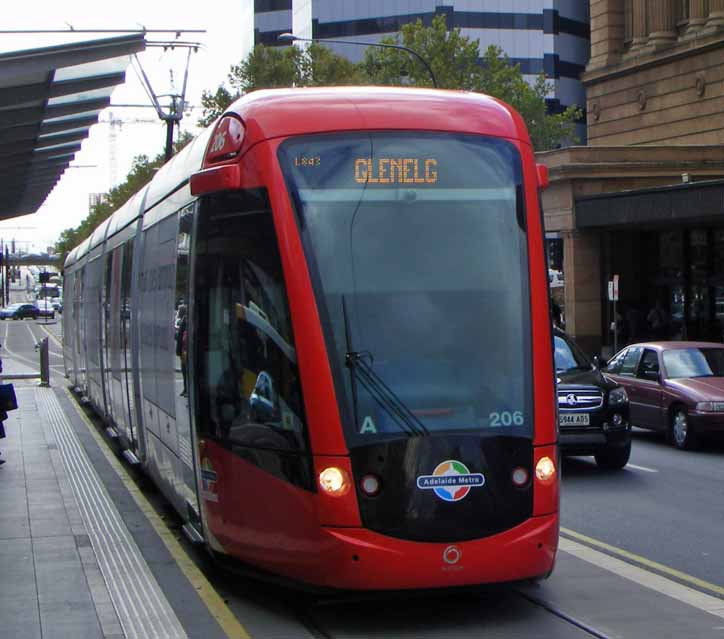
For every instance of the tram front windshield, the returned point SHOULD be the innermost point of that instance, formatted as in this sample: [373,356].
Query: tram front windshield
[418,252]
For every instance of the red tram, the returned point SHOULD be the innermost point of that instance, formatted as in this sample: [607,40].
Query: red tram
[323,330]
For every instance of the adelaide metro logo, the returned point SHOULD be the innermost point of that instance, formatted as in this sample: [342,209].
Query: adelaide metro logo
[451,555]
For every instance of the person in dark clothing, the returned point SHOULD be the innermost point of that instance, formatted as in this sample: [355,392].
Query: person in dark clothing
[658,320]
[557,314]
[3,416]
[634,324]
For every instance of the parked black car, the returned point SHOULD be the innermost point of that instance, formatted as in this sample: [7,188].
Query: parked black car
[19,311]
[593,410]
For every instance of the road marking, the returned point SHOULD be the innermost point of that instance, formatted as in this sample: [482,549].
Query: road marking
[654,565]
[51,335]
[646,470]
[212,600]
[685,594]
[17,356]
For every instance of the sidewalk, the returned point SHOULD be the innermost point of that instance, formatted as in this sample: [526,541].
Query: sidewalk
[69,567]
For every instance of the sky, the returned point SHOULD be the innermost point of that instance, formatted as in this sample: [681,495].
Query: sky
[107,154]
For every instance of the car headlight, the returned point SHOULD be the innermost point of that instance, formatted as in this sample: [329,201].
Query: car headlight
[710,407]
[617,397]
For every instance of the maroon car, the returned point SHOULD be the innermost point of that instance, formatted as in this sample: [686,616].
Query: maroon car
[674,387]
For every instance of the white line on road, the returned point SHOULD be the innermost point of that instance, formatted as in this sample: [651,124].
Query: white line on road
[646,470]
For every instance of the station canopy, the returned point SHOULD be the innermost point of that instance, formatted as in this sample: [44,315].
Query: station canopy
[49,99]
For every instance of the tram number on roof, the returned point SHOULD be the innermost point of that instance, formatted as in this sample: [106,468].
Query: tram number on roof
[395,171]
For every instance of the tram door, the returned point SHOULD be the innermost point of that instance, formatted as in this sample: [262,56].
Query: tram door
[127,379]
[80,332]
[182,383]
[107,333]
[112,341]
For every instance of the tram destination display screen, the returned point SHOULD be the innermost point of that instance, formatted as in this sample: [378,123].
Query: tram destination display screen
[418,247]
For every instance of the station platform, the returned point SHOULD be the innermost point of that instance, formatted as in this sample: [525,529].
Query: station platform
[79,557]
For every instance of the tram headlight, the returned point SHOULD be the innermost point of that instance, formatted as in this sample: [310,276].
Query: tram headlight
[334,481]
[545,469]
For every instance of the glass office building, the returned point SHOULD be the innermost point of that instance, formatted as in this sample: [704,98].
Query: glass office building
[551,36]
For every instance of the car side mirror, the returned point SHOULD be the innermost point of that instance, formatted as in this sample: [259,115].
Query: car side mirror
[651,375]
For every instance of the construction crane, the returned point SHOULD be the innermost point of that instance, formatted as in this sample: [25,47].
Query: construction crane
[115,126]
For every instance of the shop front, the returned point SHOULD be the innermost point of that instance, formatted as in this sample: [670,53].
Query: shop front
[667,246]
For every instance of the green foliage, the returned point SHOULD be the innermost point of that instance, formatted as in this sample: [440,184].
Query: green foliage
[499,78]
[452,57]
[457,64]
[275,67]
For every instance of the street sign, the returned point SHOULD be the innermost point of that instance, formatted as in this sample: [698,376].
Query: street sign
[613,289]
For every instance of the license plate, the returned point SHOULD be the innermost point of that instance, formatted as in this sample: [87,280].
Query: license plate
[580,419]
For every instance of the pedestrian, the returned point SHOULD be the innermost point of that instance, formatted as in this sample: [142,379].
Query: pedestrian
[3,416]
[182,344]
[634,321]
[557,314]
[658,320]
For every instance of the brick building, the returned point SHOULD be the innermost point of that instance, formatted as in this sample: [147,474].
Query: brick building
[645,198]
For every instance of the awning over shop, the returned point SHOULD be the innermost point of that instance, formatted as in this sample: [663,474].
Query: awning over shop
[49,99]
[691,202]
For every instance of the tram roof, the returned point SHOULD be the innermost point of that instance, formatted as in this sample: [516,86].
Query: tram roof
[49,99]
[282,112]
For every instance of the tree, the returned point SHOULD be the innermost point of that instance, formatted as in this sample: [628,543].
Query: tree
[275,67]
[452,57]
[499,78]
[456,63]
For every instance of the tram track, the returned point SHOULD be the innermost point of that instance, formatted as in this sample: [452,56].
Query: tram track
[311,612]
[554,610]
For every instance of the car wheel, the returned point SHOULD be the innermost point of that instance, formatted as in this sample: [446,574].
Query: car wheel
[614,458]
[681,433]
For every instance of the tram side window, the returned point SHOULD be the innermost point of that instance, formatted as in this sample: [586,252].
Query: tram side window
[249,388]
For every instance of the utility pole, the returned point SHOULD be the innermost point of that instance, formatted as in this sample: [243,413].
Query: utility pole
[178,102]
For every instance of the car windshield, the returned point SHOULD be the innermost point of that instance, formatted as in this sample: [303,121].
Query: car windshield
[694,362]
[420,251]
[568,356]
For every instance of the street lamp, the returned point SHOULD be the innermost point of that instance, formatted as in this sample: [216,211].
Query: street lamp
[290,37]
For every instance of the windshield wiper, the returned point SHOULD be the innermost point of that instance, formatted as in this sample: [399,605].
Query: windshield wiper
[384,395]
[352,376]
[377,388]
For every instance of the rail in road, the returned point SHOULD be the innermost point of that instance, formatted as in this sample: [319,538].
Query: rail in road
[623,571]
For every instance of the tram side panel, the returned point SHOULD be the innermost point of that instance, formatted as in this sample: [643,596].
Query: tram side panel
[159,382]
[133,291]
[81,328]
[112,361]
[115,369]
[93,309]
[146,373]
[67,322]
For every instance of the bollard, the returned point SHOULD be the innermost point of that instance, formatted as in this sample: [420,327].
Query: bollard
[44,363]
